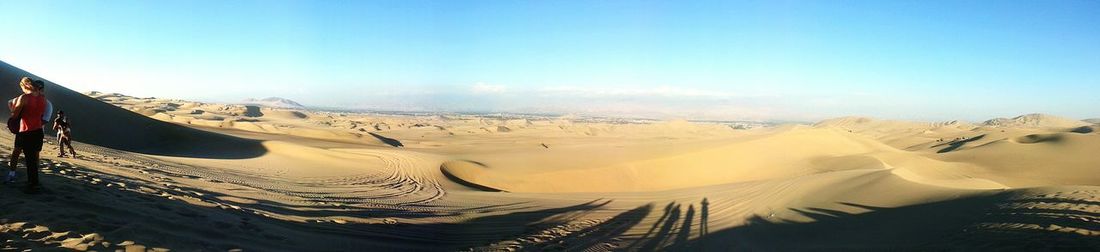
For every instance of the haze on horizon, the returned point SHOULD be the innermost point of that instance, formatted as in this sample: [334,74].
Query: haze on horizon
[766,60]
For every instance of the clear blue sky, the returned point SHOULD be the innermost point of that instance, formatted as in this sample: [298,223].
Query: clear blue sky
[795,60]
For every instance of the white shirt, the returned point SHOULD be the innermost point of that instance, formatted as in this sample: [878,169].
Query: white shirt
[49,111]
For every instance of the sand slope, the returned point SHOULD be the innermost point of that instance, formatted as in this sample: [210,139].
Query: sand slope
[99,123]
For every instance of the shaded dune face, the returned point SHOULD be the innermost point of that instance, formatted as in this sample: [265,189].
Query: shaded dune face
[98,123]
[1084,129]
[467,173]
[1039,138]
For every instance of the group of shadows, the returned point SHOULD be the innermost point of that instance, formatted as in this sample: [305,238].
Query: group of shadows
[79,203]
[1001,221]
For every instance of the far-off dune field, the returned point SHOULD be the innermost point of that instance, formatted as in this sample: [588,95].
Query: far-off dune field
[164,174]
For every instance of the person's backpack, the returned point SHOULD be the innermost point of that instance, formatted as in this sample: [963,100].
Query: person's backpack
[13,123]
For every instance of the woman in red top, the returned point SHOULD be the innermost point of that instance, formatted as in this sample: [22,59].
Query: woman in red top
[29,108]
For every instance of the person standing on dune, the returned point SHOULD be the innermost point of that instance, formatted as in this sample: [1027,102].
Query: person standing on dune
[28,110]
[64,134]
[16,150]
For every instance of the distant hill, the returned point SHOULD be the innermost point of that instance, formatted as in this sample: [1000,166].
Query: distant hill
[1093,120]
[274,102]
[855,122]
[1035,121]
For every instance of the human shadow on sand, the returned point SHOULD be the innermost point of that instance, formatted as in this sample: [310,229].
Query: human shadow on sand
[673,229]
[980,223]
[83,201]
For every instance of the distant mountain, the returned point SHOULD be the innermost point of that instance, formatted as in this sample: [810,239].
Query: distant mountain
[851,122]
[274,102]
[1093,120]
[1035,121]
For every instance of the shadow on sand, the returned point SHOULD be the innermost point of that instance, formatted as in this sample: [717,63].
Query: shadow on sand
[387,140]
[673,229]
[1004,221]
[80,202]
[954,145]
[253,111]
[1082,130]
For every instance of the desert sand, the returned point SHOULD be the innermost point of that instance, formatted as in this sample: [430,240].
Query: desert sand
[169,174]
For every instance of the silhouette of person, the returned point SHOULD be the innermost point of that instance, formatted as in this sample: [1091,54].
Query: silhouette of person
[64,134]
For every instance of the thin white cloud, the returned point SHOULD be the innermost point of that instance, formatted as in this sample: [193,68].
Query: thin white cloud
[483,88]
[659,91]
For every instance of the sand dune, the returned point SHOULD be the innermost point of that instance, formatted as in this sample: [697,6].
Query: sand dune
[110,126]
[160,174]
[1034,156]
[1036,120]
[1019,155]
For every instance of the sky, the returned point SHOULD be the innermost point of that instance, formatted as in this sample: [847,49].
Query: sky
[720,60]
